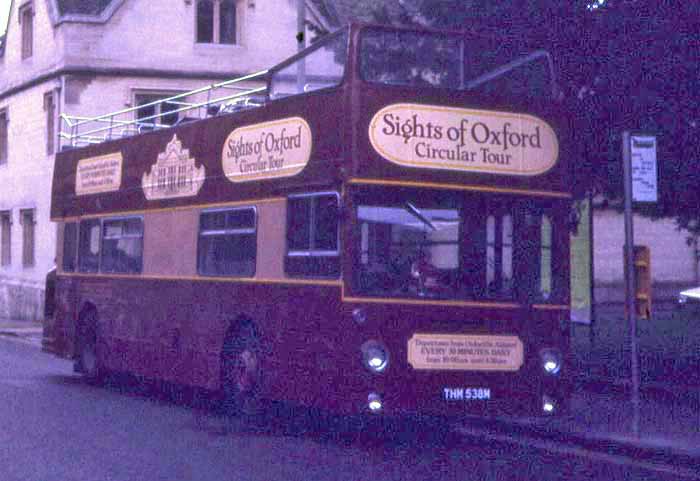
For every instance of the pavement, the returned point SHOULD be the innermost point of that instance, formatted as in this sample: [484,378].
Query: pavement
[29,332]
[665,428]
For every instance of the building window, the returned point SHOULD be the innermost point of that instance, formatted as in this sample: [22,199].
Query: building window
[216,21]
[3,136]
[312,235]
[28,221]
[151,114]
[227,242]
[5,238]
[26,19]
[70,247]
[122,245]
[50,109]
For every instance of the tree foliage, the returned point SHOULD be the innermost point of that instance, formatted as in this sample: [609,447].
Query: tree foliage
[628,65]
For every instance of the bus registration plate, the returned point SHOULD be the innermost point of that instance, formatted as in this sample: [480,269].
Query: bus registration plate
[466,393]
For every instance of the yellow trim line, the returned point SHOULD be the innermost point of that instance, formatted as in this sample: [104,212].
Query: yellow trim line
[213,205]
[473,188]
[316,282]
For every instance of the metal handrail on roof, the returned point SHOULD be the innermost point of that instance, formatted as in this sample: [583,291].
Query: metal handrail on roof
[77,131]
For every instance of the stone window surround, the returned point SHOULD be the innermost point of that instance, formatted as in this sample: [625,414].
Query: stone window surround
[28,236]
[216,23]
[57,18]
[5,237]
[26,10]
[4,136]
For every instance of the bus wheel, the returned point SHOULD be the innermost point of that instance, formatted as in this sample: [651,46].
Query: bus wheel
[240,373]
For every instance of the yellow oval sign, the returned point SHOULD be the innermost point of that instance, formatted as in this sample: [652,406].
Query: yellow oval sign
[267,150]
[435,137]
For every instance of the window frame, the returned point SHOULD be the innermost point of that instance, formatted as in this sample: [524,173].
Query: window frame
[76,241]
[4,135]
[311,253]
[103,238]
[80,265]
[5,238]
[228,232]
[50,109]
[216,19]
[25,16]
[157,106]
[27,219]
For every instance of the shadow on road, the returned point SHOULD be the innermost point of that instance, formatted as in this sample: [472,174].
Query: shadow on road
[278,419]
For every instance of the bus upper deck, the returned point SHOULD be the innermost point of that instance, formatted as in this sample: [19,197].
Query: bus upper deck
[429,107]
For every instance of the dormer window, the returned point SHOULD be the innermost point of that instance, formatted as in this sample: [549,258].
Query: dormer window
[216,21]
[26,19]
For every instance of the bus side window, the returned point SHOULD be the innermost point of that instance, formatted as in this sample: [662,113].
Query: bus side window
[122,245]
[312,235]
[227,244]
[89,245]
[70,247]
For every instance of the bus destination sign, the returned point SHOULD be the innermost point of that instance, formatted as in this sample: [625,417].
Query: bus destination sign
[267,150]
[97,175]
[437,137]
[465,352]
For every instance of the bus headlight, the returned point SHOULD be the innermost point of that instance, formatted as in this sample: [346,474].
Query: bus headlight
[549,406]
[374,402]
[375,356]
[551,360]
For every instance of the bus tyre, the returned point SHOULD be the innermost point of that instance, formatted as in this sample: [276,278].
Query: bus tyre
[240,373]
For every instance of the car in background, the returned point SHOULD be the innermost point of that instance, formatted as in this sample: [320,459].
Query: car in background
[688,303]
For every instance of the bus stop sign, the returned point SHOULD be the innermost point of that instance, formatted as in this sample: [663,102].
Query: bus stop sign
[643,156]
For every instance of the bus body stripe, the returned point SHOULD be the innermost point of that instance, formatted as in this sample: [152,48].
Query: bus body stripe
[475,188]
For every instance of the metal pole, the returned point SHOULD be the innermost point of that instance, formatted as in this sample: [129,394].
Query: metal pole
[630,288]
[301,44]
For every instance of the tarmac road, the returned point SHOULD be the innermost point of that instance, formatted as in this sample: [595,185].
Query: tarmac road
[56,427]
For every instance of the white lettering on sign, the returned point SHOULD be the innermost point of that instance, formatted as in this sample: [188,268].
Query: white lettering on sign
[466,394]
[436,137]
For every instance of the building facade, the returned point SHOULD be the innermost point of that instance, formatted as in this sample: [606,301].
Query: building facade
[673,257]
[90,57]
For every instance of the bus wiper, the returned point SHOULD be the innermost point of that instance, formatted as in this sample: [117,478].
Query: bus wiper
[413,210]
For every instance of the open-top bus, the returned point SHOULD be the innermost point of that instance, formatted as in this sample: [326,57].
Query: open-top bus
[382,226]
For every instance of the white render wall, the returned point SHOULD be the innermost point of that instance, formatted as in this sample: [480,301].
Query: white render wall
[155,38]
[673,261]
[160,34]
[26,184]
[46,48]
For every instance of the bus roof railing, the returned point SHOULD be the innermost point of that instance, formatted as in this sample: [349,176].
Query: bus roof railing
[78,131]
[510,66]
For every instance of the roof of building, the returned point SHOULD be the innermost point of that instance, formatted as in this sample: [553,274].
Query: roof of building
[338,13]
[82,7]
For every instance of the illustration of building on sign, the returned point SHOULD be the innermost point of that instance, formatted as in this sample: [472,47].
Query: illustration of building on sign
[173,175]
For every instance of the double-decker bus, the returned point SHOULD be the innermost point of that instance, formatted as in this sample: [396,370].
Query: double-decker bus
[378,224]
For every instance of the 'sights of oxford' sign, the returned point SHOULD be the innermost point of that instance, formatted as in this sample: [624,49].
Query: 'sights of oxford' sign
[436,137]
[267,150]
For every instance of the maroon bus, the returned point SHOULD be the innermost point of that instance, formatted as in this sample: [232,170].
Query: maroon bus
[381,226]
